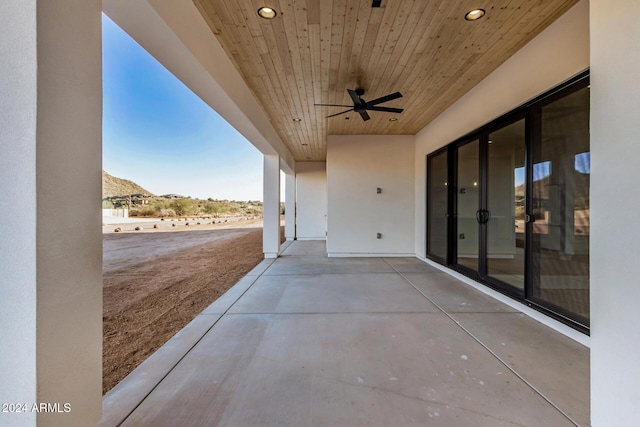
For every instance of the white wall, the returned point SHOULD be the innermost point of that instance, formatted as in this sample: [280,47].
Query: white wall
[356,166]
[50,261]
[311,200]
[290,206]
[18,284]
[615,245]
[271,206]
[555,55]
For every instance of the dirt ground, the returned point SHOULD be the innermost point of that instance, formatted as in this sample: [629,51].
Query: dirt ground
[155,281]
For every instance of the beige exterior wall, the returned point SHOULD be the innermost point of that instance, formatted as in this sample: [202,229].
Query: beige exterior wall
[290,206]
[558,53]
[356,167]
[51,306]
[311,199]
[18,283]
[271,206]
[615,271]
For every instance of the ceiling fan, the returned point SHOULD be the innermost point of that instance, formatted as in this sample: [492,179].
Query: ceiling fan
[361,106]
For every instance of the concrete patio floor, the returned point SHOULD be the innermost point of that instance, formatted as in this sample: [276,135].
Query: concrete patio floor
[306,340]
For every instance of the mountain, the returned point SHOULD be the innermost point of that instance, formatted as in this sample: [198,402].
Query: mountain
[543,186]
[112,186]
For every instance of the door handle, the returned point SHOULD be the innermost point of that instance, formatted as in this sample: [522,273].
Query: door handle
[483,216]
[530,218]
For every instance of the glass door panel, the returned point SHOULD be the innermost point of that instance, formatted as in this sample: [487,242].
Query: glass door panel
[560,202]
[506,204]
[437,204]
[468,204]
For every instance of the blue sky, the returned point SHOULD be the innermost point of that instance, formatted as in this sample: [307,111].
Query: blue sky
[159,134]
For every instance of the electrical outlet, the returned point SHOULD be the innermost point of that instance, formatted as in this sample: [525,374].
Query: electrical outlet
[379,235]
[462,236]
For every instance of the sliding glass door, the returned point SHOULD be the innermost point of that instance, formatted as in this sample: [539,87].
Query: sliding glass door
[437,205]
[505,204]
[467,205]
[508,204]
[560,205]
[489,205]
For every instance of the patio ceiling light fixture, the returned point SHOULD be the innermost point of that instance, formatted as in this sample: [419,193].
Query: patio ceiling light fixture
[474,14]
[267,12]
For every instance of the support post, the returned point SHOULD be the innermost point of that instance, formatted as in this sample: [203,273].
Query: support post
[290,207]
[271,207]
[50,193]
[614,243]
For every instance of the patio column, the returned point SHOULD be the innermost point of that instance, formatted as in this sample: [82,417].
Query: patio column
[290,207]
[614,246]
[271,207]
[50,193]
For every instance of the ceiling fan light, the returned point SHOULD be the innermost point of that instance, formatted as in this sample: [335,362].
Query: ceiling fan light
[267,12]
[474,14]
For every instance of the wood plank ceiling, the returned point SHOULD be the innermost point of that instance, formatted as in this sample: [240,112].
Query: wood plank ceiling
[314,50]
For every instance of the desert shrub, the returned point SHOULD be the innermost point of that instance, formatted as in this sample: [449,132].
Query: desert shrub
[146,211]
[182,207]
[167,212]
[159,205]
[214,207]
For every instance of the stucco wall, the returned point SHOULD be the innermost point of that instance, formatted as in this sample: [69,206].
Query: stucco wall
[311,200]
[555,55]
[18,113]
[356,167]
[615,271]
[51,262]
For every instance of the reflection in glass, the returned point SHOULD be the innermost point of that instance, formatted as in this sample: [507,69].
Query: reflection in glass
[437,209]
[505,198]
[467,203]
[561,174]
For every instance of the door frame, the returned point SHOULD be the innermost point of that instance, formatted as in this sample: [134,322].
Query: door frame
[532,133]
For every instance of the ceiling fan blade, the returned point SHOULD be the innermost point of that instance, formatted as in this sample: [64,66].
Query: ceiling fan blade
[331,105]
[389,97]
[364,115]
[355,97]
[337,114]
[386,109]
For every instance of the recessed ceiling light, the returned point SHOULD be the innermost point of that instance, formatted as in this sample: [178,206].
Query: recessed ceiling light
[393,119]
[304,145]
[347,118]
[297,119]
[474,14]
[267,12]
